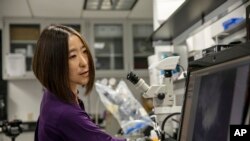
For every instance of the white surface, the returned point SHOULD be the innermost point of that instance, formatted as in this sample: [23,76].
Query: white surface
[163,9]
[105,14]
[142,10]
[167,110]
[1,23]
[70,9]
[24,98]
[15,8]
[57,8]
[200,40]
[153,72]
[182,51]
[168,63]
[15,64]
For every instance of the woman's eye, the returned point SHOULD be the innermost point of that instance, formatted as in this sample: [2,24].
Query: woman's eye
[72,56]
[84,51]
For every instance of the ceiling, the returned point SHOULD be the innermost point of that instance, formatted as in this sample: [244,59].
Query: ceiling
[69,9]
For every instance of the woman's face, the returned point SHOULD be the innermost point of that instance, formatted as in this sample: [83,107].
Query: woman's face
[78,62]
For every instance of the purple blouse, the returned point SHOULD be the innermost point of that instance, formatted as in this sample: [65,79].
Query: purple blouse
[60,121]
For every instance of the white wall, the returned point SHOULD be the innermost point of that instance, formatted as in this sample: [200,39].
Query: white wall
[200,40]
[183,52]
[24,97]
[163,9]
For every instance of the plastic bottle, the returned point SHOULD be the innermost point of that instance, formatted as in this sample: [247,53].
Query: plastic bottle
[153,136]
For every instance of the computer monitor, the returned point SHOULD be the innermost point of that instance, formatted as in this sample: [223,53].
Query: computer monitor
[217,95]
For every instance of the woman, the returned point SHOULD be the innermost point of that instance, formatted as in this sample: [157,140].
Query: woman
[62,62]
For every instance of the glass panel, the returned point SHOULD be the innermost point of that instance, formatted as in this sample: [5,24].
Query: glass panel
[142,48]
[77,27]
[118,62]
[23,38]
[108,46]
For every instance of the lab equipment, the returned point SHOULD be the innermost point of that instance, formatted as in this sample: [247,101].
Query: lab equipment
[232,22]
[163,95]
[129,113]
[11,129]
[217,95]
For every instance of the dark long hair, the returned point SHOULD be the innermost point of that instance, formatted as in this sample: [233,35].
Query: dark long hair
[50,62]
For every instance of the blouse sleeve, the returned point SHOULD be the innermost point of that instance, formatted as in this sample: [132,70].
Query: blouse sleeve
[76,125]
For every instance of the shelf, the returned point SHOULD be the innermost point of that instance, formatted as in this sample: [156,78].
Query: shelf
[139,55]
[109,55]
[190,13]
[142,37]
[230,31]
[23,41]
[27,76]
[108,37]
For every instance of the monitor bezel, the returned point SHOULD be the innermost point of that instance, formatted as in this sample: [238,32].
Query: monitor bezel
[209,70]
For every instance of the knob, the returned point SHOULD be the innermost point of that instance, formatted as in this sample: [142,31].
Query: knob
[161,96]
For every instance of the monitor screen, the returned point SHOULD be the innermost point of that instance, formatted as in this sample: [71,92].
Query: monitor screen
[216,97]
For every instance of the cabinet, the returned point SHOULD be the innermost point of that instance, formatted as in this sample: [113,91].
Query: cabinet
[20,37]
[141,48]
[117,46]
[77,27]
[19,41]
[23,38]
[108,46]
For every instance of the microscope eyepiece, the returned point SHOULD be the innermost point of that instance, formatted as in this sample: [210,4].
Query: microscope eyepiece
[133,78]
[138,82]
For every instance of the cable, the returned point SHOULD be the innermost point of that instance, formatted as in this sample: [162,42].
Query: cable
[166,118]
[181,67]
[164,122]
[183,70]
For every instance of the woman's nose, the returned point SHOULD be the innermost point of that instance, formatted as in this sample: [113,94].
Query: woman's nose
[83,61]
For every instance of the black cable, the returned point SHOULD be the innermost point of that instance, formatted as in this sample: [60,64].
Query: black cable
[176,121]
[164,122]
[181,67]
[183,70]
[166,118]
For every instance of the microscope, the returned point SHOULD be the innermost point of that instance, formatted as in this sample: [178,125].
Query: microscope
[162,95]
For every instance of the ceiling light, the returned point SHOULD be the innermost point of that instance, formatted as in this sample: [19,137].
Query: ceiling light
[109,4]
